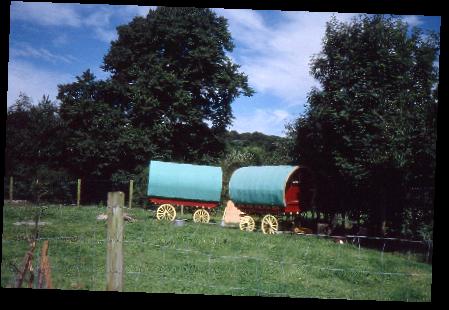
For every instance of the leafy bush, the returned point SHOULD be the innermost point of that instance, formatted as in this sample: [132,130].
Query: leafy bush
[54,186]
[425,231]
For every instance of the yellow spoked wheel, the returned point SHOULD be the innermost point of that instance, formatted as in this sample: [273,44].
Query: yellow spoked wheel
[247,223]
[201,216]
[166,212]
[269,224]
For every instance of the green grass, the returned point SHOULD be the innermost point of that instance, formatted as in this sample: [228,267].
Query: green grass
[209,259]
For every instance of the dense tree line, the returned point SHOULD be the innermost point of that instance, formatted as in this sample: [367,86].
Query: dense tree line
[369,131]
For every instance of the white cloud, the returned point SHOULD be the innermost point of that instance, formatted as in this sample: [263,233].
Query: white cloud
[34,81]
[277,58]
[26,50]
[100,21]
[412,20]
[60,40]
[106,35]
[243,19]
[47,14]
[100,18]
[95,17]
[268,121]
[136,10]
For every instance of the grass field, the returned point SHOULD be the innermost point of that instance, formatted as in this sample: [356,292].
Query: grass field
[209,259]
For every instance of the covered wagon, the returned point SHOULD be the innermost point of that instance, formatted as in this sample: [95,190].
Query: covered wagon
[273,192]
[194,187]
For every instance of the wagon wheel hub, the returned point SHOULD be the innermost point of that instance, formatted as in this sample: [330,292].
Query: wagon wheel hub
[247,223]
[269,224]
[166,212]
[201,216]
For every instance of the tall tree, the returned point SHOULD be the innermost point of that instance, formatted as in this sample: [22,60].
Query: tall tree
[33,135]
[95,143]
[34,144]
[18,145]
[47,132]
[370,131]
[172,68]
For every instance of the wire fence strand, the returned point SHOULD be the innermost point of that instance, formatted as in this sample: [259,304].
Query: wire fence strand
[161,258]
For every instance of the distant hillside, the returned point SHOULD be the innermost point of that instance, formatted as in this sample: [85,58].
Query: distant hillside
[252,139]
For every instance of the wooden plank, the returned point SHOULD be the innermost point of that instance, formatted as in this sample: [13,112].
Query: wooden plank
[114,259]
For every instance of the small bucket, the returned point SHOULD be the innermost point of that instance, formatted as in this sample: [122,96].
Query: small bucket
[179,223]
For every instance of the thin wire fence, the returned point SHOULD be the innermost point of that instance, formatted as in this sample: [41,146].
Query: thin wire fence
[160,257]
[212,256]
[62,190]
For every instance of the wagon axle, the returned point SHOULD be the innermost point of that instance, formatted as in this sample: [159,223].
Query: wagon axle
[167,212]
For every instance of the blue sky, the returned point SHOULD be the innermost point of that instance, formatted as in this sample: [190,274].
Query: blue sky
[50,44]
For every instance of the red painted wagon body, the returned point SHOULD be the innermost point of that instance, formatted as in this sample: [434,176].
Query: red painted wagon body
[184,203]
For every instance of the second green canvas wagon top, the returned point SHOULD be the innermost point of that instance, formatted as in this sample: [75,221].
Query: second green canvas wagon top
[261,185]
[184,181]
[279,189]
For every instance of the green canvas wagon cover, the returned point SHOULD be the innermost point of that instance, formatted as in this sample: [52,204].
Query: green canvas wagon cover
[260,185]
[184,181]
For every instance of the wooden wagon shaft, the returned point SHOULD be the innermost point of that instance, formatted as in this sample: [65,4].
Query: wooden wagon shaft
[26,265]
[28,259]
[40,277]
[31,273]
[44,271]
[48,281]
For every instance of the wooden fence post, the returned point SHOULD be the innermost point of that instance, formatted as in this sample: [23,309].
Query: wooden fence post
[131,183]
[114,259]
[11,184]
[78,193]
